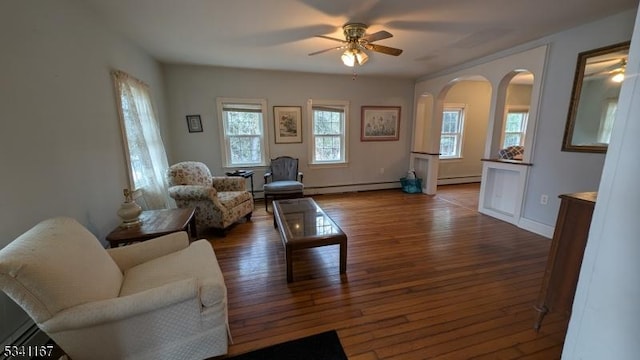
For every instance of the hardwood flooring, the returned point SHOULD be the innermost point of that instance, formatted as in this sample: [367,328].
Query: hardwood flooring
[428,277]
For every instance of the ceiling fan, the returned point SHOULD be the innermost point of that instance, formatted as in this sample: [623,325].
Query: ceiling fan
[356,42]
[614,67]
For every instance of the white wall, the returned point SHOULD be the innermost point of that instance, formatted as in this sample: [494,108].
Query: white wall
[558,172]
[60,143]
[554,172]
[519,95]
[193,90]
[604,322]
[476,95]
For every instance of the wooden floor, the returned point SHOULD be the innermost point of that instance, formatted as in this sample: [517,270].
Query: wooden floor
[428,277]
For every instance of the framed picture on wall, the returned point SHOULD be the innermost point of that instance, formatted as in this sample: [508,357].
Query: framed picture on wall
[287,121]
[194,123]
[380,123]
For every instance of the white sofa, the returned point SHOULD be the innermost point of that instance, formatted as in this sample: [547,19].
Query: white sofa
[159,299]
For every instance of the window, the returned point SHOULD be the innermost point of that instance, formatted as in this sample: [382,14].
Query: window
[328,131]
[606,123]
[515,126]
[451,136]
[144,148]
[242,128]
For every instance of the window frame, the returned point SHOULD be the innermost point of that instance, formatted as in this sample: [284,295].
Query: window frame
[145,154]
[462,108]
[224,139]
[344,137]
[607,120]
[523,133]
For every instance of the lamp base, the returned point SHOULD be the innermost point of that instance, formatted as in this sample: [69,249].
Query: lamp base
[129,212]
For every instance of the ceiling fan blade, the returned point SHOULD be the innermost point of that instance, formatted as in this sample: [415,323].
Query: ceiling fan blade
[329,49]
[330,38]
[377,36]
[384,49]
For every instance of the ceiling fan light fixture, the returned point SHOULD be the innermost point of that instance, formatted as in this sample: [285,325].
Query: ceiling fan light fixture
[356,41]
[348,58]
[618,74]
[361,57]
[351,57]
[618,78]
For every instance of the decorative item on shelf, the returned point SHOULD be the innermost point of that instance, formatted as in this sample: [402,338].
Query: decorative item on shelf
[129,211]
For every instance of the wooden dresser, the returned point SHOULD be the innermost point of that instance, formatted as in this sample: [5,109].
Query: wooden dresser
[565,256]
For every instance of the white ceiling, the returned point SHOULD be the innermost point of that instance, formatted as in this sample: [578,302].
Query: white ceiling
[279,34]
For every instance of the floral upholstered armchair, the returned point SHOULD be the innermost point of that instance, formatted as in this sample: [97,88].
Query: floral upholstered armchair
[219,200]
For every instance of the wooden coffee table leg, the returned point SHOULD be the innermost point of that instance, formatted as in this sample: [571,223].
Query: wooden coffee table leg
[289,260]
[343,256]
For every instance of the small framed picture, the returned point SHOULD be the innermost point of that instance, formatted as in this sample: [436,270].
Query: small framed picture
[287,121]
[194,123]
[380,123]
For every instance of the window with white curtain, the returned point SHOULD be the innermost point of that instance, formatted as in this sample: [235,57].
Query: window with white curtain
[242,131]
[606,122]
[146,157]
[329,119]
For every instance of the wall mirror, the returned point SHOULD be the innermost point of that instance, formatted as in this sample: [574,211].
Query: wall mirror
[594,98]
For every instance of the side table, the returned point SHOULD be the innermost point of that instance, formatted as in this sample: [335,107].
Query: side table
[154,223]
[245,174]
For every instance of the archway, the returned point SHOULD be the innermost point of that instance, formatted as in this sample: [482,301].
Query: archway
[463,117]
[506,164]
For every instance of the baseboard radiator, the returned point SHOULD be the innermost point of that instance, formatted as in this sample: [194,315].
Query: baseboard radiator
[460,180]
[31,337]
[336,189]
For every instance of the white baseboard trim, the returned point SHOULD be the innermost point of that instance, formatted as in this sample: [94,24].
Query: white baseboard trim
[459,180]
[536,227]
[351,188]
[336,189]
[510,218]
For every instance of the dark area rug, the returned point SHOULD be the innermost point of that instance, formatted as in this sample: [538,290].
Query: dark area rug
[324,346]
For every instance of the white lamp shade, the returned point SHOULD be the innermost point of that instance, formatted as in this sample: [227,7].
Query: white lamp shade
[361,57]
[348,58]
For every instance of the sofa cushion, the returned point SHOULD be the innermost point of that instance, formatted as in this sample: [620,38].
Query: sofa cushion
[197,261]
[87,273]
[511,152]
[231,199]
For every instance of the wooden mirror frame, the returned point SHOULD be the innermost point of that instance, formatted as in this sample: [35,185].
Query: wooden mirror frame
[583,57]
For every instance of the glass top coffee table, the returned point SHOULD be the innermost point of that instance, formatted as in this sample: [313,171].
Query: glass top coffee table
[302,225]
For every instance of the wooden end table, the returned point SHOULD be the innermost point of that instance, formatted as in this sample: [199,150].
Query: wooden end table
[302,225]
[154,223]
[244,174]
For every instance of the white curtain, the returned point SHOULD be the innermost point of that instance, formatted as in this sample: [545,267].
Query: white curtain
[147,157]
[607,120]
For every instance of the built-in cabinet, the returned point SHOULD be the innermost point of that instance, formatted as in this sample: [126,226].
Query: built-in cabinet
[565,256]
[502,189]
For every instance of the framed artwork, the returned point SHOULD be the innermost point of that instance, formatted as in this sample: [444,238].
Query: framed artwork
[380,123]
[194,123]
[287,121]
